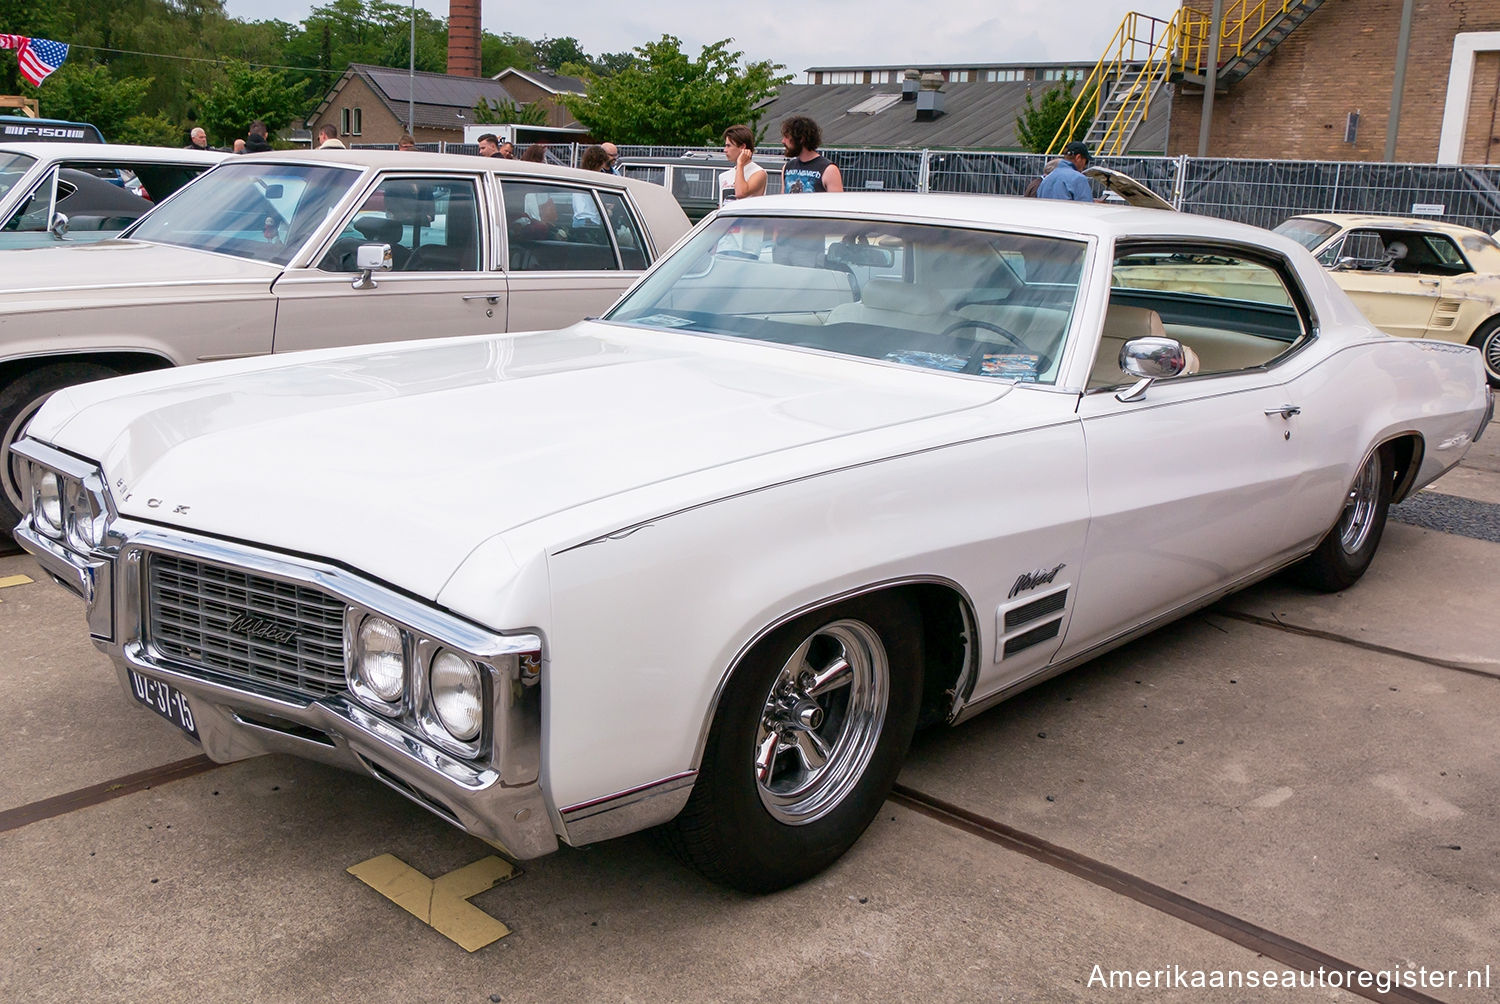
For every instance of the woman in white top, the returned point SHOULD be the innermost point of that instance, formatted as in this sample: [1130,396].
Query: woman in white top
[746,177]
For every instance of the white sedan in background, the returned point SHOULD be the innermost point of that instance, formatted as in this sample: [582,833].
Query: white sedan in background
[838,467]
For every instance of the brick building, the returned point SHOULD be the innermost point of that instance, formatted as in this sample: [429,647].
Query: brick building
[1297,103]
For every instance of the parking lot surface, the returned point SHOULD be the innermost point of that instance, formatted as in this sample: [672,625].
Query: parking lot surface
[1286,780]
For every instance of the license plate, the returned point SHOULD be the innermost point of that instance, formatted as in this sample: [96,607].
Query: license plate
[165,700]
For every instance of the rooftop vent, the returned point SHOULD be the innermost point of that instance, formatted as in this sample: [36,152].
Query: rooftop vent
[910,83]
[930,97]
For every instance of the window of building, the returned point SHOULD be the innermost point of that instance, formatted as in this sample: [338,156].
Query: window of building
[1055,73]
[841,77]
[356,125]
[996,76]
[880,76]
[958,76]
[343,121]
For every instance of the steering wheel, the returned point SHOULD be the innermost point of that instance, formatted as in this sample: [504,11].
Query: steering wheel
[1009,336]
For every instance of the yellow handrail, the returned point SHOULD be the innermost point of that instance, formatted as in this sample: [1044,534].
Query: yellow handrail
[1145,49]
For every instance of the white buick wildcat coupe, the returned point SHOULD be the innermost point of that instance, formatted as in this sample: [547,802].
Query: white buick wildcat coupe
[838,467]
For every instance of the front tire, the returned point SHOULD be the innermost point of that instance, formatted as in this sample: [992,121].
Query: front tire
[1487,340]
[1347,550]
[19,401]
[808,738]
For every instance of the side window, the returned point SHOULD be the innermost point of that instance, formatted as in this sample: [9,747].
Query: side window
[31,215]
[1365,247]
[554,228]
[626,230]
[1232,312]
[431,224]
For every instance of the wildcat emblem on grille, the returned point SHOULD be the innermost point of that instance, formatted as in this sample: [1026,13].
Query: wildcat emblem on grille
[263,629]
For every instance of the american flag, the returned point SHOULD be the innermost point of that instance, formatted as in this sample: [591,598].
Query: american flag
[38,56]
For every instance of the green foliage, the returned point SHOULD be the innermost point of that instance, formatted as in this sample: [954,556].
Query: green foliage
[554,52]
[667,98]
[85,92]
[150,130]
[509,113]
[1037,124]
[498,53]
[359,31]
[242,95]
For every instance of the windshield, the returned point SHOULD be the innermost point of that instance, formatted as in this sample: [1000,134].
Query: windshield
[13,167]
[264,212]
[979,302]
[1308,233]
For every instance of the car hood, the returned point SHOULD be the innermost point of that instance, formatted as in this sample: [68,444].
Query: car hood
[39,272]
[1128,188]
[401,460]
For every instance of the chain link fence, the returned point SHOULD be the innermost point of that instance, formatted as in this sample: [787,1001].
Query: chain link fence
[1259,192]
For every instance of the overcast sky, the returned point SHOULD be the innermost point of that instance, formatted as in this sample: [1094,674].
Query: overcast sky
[808,33]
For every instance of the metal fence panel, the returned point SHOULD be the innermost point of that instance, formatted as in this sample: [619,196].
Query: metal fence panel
[1258,192]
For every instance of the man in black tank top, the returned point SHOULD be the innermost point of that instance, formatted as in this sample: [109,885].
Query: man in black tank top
[806,170]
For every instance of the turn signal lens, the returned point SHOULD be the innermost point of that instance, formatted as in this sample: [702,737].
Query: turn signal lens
[457,695]
[380,663]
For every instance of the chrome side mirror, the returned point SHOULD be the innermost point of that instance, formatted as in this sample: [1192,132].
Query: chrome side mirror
[1150,359]
[59,226]
[1346,264]
[371,258]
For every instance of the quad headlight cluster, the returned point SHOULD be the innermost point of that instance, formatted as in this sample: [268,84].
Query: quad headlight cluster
[444,692]
[68,507]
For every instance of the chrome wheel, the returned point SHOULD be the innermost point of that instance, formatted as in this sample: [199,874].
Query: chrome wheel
[821,721]
[14,465]
[1360,507]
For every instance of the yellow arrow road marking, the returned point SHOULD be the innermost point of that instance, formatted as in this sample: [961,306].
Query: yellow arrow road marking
[441,903]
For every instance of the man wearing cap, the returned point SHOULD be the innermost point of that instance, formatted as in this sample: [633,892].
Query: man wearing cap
[1066,181]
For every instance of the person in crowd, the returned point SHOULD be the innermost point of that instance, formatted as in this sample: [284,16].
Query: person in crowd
[536,153]
[239,146]
[745,177]
[807,170]
[489,145]
[594,159]
[198,139]
[614,157]
[407,142]
[255,140]
[1066,180]
[1035,183]
[330,134]
[507,151]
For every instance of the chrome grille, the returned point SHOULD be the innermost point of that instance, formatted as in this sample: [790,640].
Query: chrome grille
[196,617]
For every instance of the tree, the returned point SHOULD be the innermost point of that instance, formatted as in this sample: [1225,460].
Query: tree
[242,95]
[667,98]
[554,52]
[498,53]
[150,130]
[1036,125]
[509,113]
[85,92]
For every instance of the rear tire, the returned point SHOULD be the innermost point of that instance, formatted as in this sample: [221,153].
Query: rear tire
[1487,340]
[1344,554]
[19,401]
[808,738]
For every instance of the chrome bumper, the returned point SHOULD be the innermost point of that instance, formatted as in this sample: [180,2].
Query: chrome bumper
[237,719]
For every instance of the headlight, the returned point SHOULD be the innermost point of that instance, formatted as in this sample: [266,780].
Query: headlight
[48,500]
[457,695]
[379,665]
[86,517]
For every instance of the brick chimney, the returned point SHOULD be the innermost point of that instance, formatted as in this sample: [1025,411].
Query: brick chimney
[463,38]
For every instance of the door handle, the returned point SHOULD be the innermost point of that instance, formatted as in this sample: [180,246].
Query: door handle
[490,298]
[1430,282]
[1285,411]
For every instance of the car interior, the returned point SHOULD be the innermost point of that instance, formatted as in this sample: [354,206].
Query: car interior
[1408,252]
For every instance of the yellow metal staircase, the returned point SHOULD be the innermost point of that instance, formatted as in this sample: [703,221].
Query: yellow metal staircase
[1147,52]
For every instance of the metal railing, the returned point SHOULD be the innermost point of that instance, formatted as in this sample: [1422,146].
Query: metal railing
[1258,192]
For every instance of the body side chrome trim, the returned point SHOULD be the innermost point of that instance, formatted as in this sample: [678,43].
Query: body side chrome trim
[627,811]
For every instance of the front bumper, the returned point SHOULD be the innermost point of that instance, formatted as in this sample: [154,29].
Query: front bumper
[498,797]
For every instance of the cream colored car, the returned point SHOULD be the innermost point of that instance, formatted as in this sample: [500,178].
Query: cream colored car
[1415,278]
[263,254]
